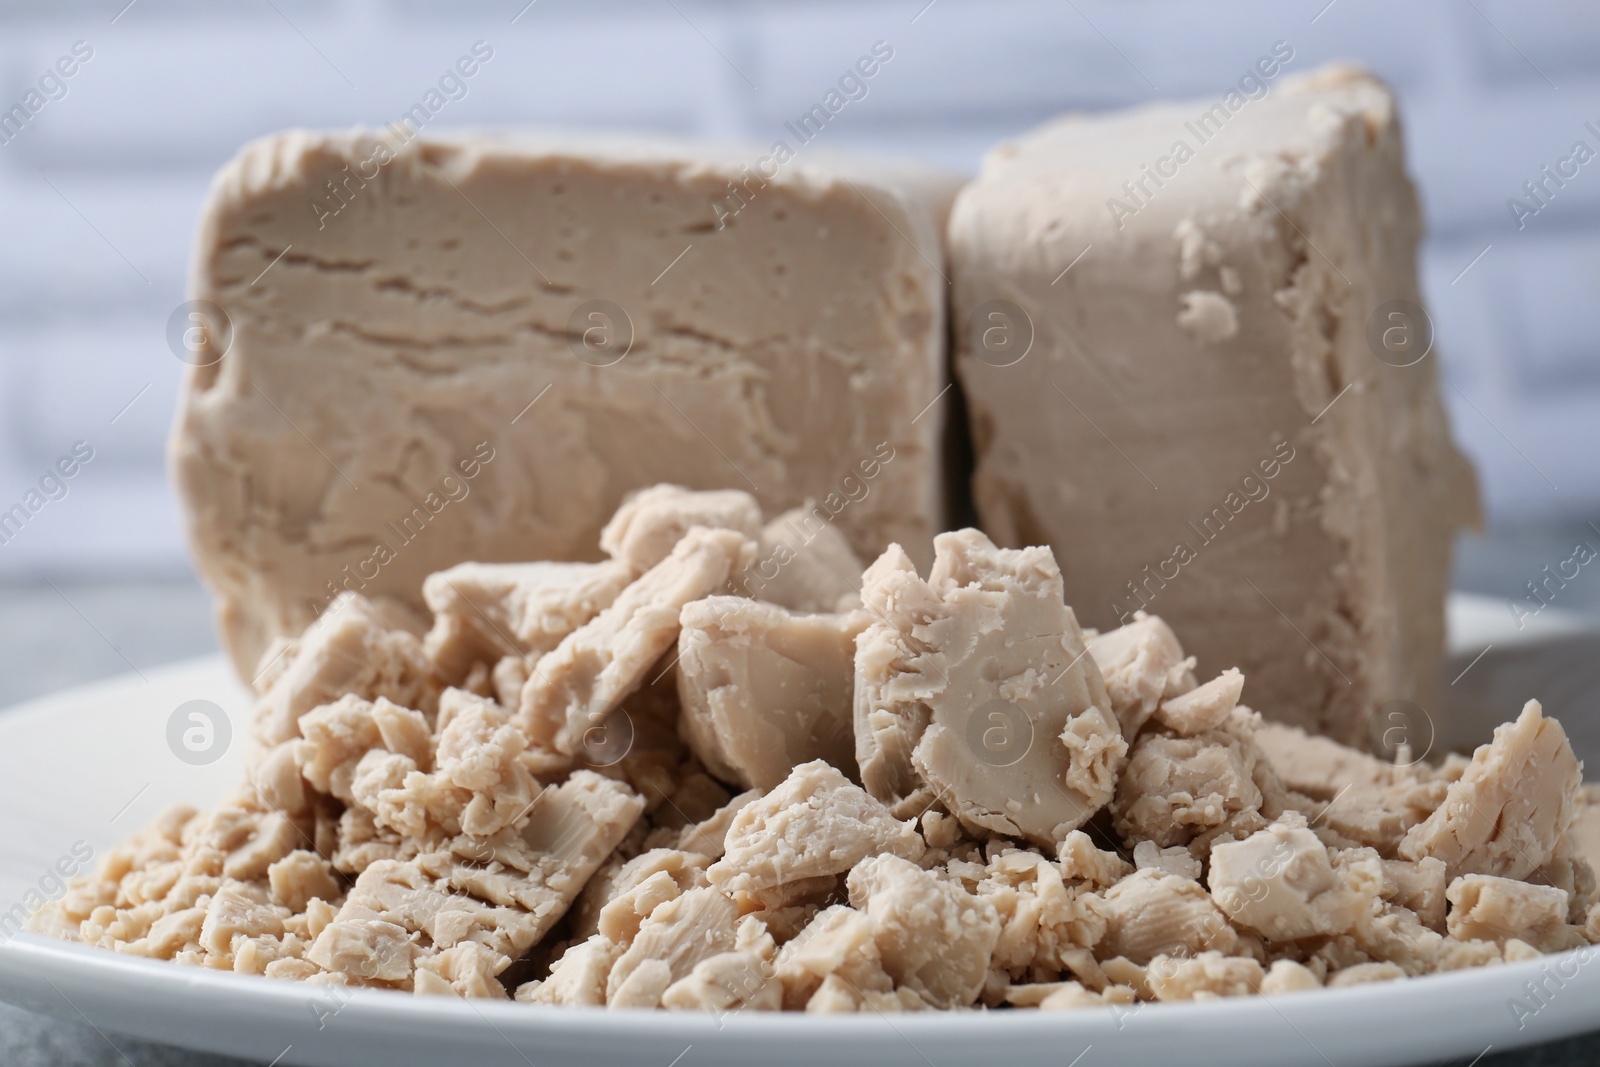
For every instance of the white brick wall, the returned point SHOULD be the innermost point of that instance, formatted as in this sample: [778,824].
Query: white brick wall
[100,193]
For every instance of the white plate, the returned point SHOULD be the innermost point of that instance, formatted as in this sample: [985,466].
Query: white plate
[93,763]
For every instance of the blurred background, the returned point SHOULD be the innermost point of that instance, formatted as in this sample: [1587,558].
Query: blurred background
[102,186]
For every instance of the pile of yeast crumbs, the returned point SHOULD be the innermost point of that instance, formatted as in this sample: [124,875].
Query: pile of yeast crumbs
[663,780]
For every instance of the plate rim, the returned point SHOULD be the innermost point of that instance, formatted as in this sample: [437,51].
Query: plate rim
[67,955]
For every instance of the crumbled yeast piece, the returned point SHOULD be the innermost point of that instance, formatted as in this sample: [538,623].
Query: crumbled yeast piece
[1030,994]
[640,885]
[838,941]
[196,889]
[1584,836]
[1046,926]
[426,847]
[1203,976]
[763,689]
[643,986]
[578,978]
[468,778]
[835,995]
[190,887]
[974,689]
[237,912]
[1362,973]
[1488,908]
[1419,887]
[276,780]
[543,861]
[933,936]
[356,647]
[1280,883]
[572,689]
[1080,859]
[483,612]
[1151,913]
[372,938]
[805,563]
[1066,996]
[340,735]
[681,933]
[709,836]
[1176,790]
[298,878]
[1359,796]
[1506,814]
[725,983]
[294,969]
[1571,873]
[1143,664]
[622,916]
[652,521]
[815,824]
[1288,976]
[835,964]
[467,970]
[1203,708]
[505,891]
[1386,930]
[1175,860]
[273,837]
[478,770]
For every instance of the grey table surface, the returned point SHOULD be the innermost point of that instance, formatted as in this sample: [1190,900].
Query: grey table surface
[58,632]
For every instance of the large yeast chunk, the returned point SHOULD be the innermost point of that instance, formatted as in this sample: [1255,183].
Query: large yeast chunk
[764,689]
[475,347]
[575,687]
[1151,366]
[1506,814]
[974,689]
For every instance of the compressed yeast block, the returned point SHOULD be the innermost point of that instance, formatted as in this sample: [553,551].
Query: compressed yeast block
[1208,383]
[424,351]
